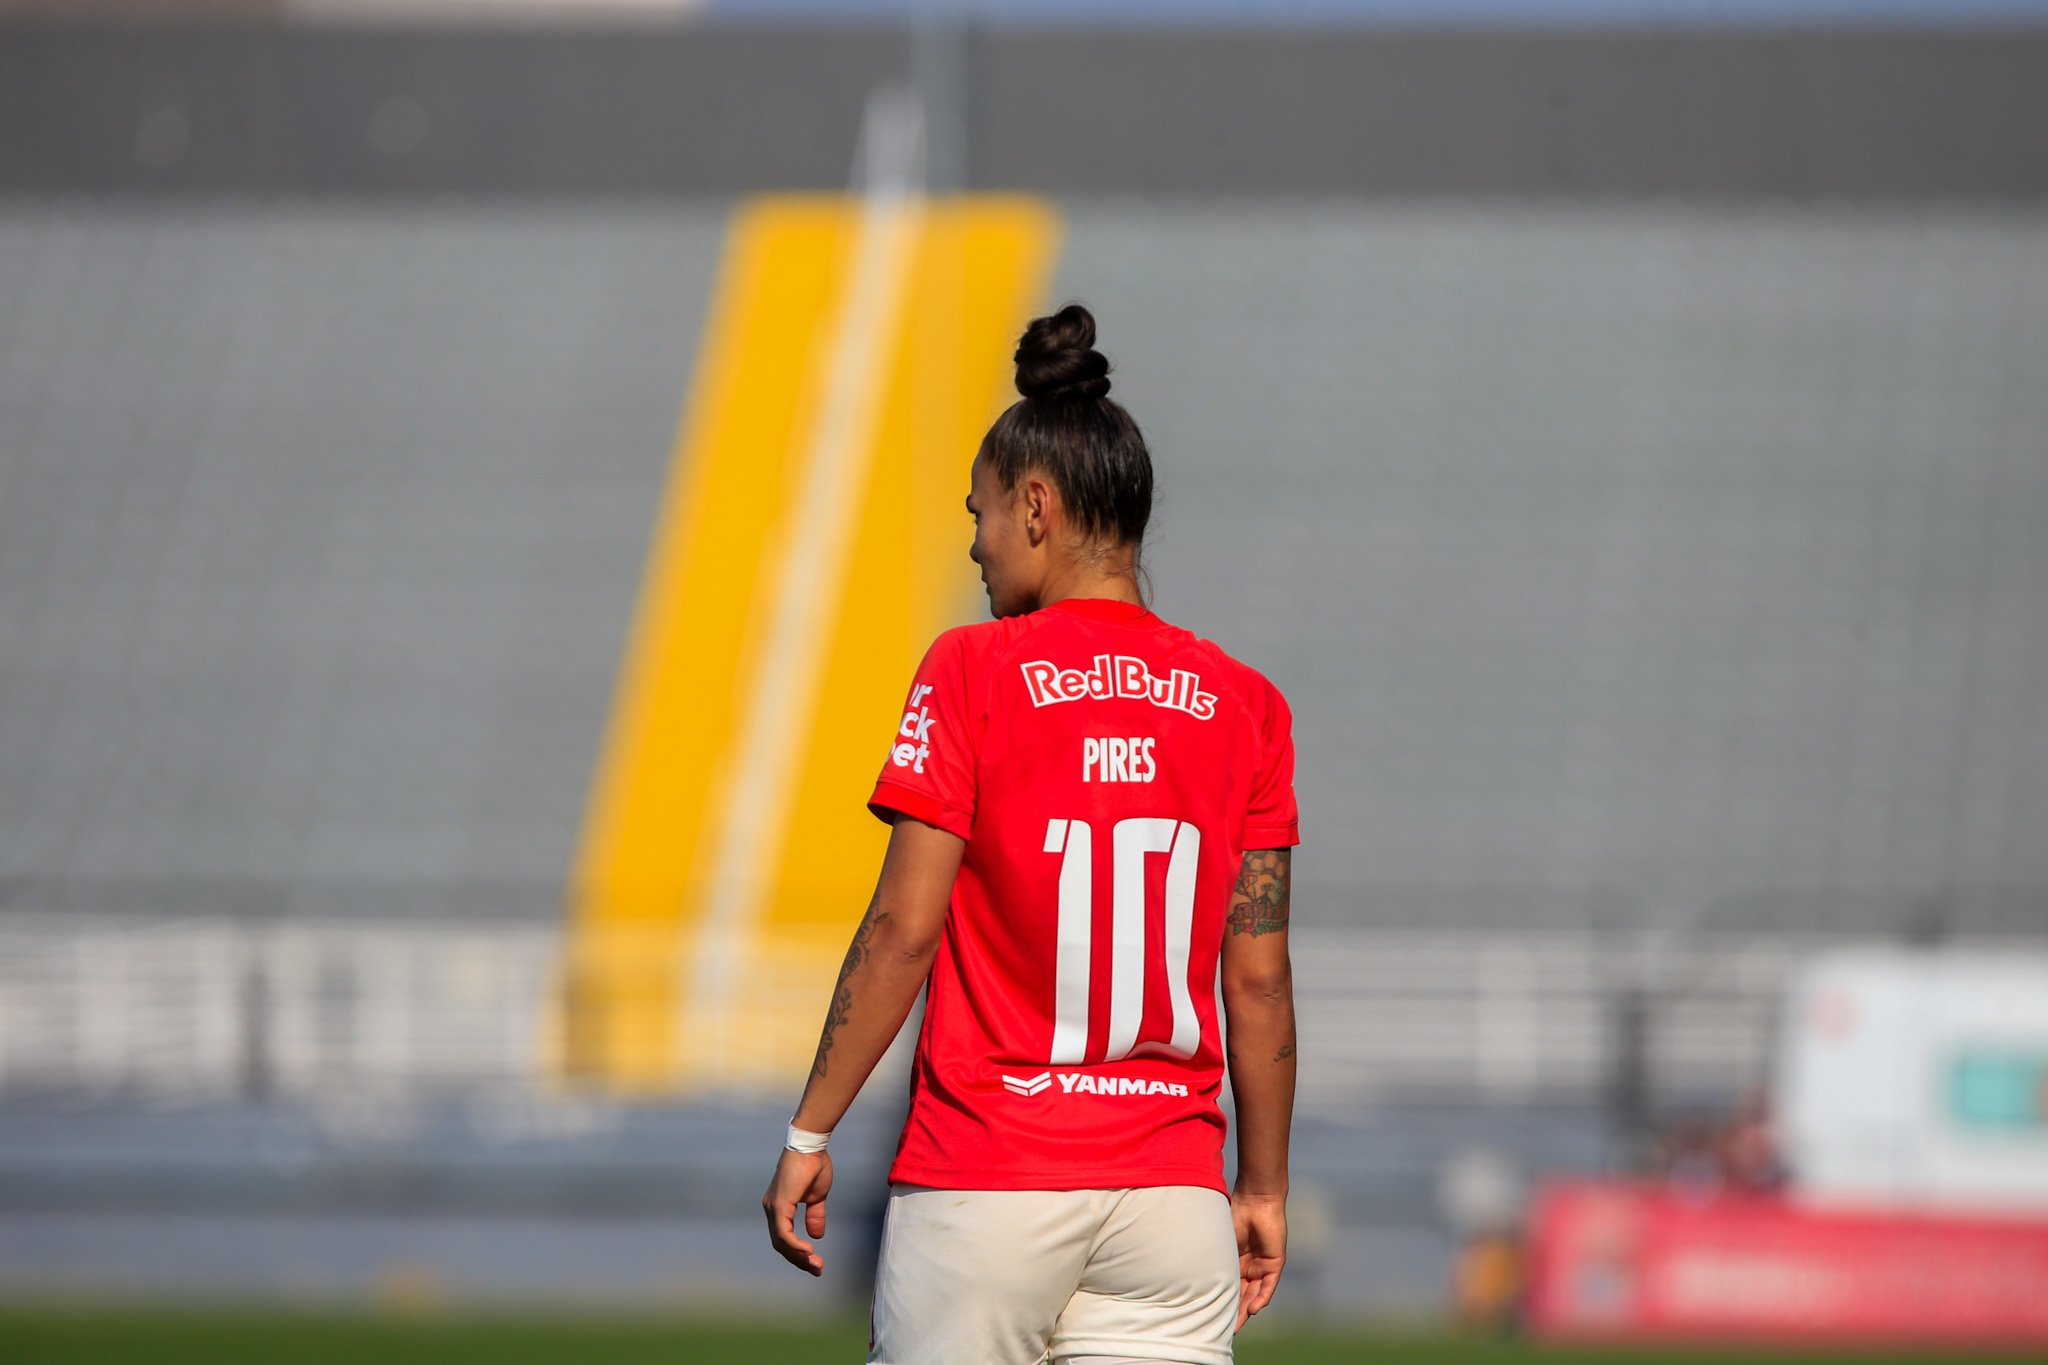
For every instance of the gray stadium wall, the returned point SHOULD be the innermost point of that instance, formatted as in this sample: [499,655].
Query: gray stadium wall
[271,108]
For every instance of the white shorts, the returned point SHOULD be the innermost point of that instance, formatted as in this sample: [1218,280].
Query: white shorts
[1004,1277]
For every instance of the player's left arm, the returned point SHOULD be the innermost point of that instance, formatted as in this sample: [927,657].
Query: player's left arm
[1258,999]
[886,965]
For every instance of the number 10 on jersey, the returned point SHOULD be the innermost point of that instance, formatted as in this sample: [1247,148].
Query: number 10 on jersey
[1130,841]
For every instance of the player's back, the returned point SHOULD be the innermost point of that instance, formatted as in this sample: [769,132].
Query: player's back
[1107,771]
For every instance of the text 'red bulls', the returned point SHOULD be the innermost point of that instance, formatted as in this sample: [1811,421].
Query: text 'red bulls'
[1119,676]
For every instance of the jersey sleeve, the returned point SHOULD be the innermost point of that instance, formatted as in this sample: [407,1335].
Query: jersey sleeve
[1272,821]
[928,774]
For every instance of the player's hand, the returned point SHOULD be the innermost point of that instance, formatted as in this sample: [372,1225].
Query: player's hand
[1261,1221]
[800,1178]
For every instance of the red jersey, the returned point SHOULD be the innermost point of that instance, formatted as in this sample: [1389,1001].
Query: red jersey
[1107,771]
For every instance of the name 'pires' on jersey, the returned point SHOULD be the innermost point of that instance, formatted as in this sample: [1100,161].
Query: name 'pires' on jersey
[1107,771]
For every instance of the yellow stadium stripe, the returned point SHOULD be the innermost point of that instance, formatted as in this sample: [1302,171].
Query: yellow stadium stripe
[681,972]
[800,595]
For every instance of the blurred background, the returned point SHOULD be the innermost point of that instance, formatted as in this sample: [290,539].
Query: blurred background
[476,475]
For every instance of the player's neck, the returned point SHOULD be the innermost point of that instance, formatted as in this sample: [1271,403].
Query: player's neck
[1116,582]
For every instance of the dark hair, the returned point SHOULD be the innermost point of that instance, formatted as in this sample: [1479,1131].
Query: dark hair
[1066,426]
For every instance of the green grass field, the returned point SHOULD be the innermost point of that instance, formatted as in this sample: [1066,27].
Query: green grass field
[77,1336]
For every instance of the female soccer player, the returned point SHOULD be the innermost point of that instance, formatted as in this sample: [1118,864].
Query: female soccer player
[1093,813]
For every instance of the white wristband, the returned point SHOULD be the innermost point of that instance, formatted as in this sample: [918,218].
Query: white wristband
[805,1142]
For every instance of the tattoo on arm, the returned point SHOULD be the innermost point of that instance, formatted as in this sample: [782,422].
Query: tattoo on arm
[841,1008]
[1258,905]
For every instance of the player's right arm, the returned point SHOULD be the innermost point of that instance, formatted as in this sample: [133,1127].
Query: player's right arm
[1258,1003]
[886,965]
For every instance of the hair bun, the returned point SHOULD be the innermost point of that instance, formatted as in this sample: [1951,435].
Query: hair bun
[1057,357]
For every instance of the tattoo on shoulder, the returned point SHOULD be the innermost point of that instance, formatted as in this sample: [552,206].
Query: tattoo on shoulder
[1258,904]
[841,1008]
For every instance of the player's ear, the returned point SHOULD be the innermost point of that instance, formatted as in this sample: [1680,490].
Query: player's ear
[1040,499]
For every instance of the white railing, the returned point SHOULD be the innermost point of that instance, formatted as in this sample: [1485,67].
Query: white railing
[218,1007]
[1531,1015]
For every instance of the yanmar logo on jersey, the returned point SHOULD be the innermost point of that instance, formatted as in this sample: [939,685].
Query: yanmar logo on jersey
[1118,676]
[1081,1083]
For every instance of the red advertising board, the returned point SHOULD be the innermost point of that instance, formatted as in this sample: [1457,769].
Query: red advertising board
[1616,1260]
